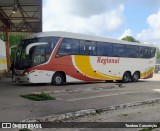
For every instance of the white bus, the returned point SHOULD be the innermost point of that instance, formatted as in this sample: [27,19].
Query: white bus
[58,57]
[3,60]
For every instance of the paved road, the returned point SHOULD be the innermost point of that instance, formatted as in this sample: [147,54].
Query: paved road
[88,95]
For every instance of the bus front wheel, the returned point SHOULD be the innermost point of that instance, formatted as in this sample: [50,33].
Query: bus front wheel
[126,77]
[58,79]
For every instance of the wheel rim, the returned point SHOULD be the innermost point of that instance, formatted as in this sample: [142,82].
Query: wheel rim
[126,78]
[136,76]
[58,80]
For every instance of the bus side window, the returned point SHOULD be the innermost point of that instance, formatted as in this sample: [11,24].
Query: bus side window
[87,47]
[151,52]
[119,50]
[143,52]
[104,49]
[68,47]
[75,47]
[94,48]
[131,51]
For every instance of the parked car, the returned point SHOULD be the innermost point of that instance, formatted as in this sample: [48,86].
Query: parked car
[157,68]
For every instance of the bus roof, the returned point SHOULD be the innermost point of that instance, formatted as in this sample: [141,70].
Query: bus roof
[83,37]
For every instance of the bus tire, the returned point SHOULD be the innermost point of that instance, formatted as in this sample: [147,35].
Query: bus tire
[135,76]
[58,79]
[126,77]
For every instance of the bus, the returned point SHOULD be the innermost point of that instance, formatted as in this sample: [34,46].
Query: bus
[3,59]
[58,57]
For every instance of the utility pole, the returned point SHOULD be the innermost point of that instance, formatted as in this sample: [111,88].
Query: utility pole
[7,49]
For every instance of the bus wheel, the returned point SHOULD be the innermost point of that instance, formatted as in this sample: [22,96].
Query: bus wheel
[135,76]
[58,79]
[126,77]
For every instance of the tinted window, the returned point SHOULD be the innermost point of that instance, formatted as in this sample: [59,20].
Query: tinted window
[52,41]
[141,52]
[87,47]
[119,50]
[131,51]
[151,52]
[69,47]
[104,49]
[146,52]
[39,54]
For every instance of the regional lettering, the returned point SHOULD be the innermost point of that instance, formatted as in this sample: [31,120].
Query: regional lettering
[106,60]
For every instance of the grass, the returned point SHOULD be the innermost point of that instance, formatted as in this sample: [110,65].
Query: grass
[25,129]
[146,129]
[38,97]
[124,114]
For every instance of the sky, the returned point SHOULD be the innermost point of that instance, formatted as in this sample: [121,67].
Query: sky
[107,18]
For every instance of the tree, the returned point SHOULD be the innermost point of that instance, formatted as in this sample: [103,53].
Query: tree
[158,53]
[13,40]
[130,39]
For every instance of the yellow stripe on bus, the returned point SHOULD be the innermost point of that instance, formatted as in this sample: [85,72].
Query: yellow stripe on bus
[113,77]
[3,61]
[147,72]
[83,64]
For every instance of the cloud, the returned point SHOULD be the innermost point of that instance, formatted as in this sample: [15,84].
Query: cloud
[83,16]
[86,8]
[154,20]
[152,34]
[144,3]
[127,32]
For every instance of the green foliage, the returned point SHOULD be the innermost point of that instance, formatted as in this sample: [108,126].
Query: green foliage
[124,114]
[13,53]
[130,39]
[146,129]
[158,53]
[13,40]
[38,97]
[2,37]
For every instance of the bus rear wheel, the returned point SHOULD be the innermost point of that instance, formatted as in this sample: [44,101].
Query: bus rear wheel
[126,77]
[135,76]
[58,79]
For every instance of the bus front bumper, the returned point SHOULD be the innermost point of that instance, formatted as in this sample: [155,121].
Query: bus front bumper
[22,79]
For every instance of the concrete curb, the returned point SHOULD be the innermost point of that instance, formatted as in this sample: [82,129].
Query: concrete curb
[79,90]
[60,117]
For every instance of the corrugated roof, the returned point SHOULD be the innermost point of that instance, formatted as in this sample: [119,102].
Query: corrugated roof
[27,16]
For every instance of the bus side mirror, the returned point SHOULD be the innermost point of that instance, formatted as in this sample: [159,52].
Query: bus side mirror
[33,44]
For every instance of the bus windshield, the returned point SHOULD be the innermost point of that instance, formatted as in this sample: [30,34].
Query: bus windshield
[22,61]
[38,54]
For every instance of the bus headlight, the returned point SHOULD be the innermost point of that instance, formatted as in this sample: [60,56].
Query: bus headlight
[26,73]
